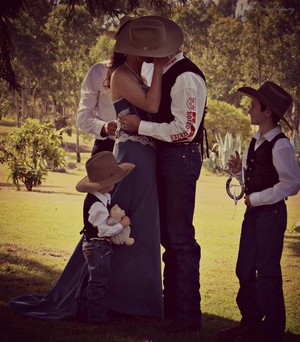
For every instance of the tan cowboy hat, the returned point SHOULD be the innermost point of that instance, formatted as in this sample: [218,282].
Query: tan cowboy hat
[102,171]
[149,36]
[271,95]
[123,21]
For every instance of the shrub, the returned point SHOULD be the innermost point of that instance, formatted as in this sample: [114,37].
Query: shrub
[30,151]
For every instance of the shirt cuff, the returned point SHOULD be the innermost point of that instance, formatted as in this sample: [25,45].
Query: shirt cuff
[255,199]
[145,128]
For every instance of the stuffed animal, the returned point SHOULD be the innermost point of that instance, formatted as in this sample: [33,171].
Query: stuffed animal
[122,238]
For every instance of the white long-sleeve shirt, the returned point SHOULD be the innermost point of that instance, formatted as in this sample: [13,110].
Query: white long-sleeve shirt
[98,215]
[187,108]
[95,106]
[286,166]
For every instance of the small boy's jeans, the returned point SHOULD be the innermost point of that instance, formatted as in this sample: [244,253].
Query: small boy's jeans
[97,254]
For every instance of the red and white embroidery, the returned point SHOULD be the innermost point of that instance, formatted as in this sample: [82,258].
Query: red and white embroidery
[191,103]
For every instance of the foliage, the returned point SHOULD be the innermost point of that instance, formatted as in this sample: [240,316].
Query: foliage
[222,117]
[221,151]
[270,48]
[30,151]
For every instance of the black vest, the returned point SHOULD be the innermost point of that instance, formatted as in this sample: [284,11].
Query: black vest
[164,113]
[261,173]
[89,230]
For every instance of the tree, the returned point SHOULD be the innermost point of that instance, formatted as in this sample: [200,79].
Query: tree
[222,117]
[30,151]
[270,49]
[71,42]
[10,10]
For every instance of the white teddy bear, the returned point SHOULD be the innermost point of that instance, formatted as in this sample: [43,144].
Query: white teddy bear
[116,215]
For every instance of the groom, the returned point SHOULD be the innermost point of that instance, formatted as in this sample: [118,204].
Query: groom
[177,129]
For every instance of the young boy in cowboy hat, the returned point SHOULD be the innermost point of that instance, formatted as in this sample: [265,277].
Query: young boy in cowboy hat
[271,174]
[103,173]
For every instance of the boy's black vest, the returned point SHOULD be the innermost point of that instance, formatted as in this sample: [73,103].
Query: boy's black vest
[261,173]
[164,113]
[89,230]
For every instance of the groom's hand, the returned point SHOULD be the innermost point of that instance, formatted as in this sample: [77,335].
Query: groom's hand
[130,122]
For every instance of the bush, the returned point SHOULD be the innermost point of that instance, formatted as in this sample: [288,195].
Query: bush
[30,151]
[221,118]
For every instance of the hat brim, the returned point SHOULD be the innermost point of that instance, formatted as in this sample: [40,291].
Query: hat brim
[85,185]
[174,39]
[252,93]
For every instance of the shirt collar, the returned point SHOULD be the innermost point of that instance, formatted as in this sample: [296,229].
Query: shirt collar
[269,135]
[173,60]
[104,198]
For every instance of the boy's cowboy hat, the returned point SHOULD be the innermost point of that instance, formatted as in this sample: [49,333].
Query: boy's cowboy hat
[149,36]
[271,95]
[123,21]
[102,171]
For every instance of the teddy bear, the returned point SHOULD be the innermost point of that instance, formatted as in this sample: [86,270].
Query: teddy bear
[116,214]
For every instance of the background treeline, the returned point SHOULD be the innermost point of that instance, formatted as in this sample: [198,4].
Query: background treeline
[235,43]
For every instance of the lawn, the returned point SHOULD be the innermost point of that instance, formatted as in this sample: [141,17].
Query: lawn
[40,229]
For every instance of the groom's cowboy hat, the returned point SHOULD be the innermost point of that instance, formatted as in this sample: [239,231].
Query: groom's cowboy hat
[271,95]
[102,171]
[149,36]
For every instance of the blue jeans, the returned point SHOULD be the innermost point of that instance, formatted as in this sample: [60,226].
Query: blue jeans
[97,254]
[260,296]
[178,168]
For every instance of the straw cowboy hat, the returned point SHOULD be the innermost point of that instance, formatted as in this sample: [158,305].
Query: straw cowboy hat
[149,36]
[102,171]
[271,95]
[123,21]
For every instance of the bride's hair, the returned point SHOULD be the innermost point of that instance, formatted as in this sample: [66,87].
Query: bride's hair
[116,60]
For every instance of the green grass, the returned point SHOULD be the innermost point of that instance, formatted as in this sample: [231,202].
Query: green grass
[39,231]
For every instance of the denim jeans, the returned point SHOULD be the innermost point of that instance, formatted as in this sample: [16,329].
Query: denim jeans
[97,254]
[260,296]
[178,168]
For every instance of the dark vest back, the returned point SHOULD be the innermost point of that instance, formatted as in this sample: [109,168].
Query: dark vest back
[261,173]
[89,230]
[168,80]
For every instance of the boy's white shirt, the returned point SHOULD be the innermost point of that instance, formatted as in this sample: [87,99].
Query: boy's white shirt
[285,163]
[98,215]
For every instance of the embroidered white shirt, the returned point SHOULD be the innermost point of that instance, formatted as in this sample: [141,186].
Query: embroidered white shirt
[188,96]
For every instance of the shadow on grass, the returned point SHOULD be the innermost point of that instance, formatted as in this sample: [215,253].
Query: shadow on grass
[120,329]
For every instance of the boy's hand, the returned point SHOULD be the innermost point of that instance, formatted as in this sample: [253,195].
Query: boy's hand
[247,201]
[235,163]
[125,221]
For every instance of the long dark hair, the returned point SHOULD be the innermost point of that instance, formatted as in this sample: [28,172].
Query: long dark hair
[116,60]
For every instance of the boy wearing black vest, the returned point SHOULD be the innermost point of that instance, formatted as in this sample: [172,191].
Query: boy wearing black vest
[177,128]
[103,173]
[270,174]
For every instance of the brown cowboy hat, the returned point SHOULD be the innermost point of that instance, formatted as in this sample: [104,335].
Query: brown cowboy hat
[271,95]
[102,171]
[123,21]
[149,36]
